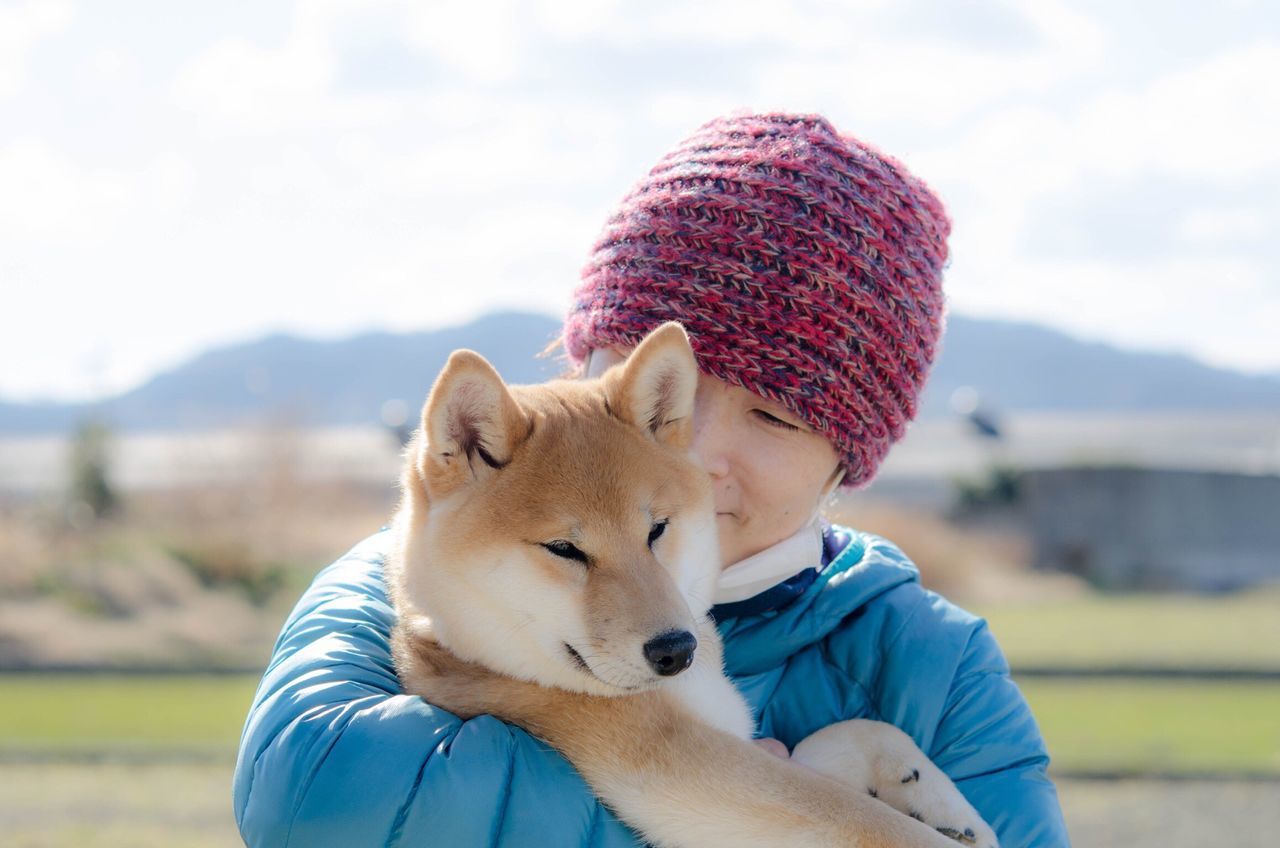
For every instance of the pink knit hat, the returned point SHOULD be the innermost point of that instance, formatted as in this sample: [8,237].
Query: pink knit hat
[805,264]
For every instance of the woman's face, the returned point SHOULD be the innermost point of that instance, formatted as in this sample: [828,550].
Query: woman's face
[769,469]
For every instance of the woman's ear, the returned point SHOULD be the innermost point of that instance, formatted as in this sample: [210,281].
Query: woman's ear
[655,387]
[833,482]
[601,359]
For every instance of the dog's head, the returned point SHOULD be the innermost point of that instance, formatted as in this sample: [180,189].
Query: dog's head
[562,533]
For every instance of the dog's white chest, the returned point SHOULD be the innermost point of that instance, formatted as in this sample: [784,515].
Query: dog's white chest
[706,692]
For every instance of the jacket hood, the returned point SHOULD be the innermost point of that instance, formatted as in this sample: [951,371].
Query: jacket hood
[867,567]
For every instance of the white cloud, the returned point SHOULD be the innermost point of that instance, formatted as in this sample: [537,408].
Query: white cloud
[22,27]
[1210,226]
[1214,308]
[241,83]
[46,198]
[1213,124]
[109,69]
[930,84]
[487,40]
[323,189]
[1218,120]
[802,26]
[1206,124]
[1063,28]
[170,181]
[239,86]
[523,255]
[517,152]
[567,20]
[492,41]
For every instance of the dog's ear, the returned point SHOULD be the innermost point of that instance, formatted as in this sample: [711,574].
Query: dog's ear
[655,387]
[472,424]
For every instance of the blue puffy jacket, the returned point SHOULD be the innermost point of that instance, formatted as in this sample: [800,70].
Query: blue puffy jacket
[333,755]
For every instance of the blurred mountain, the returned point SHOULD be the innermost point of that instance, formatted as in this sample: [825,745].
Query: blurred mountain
[1017,367]
[1010,366]
[307,382]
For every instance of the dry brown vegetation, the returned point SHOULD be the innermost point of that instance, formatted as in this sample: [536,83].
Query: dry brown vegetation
[202,575]
[196,575]
[968,563]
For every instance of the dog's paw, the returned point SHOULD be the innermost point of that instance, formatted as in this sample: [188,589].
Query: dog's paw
[927,795]
[888,765]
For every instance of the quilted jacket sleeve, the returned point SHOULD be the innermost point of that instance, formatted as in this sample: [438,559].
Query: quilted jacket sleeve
[988,741]
[952,691]
[333,755]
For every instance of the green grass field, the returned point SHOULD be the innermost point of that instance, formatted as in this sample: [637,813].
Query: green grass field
[1158,727]
[1170,631]
[117,760]
[106,714]
[1119,725]
[188,805]
[1115,725]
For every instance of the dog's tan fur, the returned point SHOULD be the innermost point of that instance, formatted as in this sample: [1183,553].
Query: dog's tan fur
[493,621]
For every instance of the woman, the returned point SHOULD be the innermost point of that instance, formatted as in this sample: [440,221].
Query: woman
[807,268]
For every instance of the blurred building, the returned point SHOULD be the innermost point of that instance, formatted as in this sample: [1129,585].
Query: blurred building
[1136,528]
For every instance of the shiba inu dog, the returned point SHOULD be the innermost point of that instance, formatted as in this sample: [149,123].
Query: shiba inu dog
[554,559]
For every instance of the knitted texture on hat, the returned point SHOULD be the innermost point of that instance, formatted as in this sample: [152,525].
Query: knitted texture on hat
[805,265]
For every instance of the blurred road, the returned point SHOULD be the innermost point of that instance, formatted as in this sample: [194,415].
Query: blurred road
[1148,814]
[184,805]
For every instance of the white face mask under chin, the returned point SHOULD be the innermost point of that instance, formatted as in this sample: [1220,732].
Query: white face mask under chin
[762,571]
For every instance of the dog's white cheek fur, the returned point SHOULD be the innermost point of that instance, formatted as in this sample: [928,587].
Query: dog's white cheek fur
[494,612]
[696,566]
[704,688]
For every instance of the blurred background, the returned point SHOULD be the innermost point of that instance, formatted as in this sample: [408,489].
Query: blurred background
[238,240]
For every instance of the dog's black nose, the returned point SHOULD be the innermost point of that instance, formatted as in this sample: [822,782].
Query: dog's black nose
[670,653]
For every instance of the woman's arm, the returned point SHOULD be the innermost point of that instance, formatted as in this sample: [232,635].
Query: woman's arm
[333,754]
[921,663]
[939,675]
[988,742]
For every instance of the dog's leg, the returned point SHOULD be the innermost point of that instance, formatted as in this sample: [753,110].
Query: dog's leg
[675,779]
[886,763]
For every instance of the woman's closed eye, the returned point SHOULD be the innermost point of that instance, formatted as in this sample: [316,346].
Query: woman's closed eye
[774,421]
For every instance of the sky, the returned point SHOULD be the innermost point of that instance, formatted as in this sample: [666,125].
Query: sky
[180,176]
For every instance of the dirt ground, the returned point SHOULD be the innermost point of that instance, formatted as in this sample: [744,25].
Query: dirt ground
[188,805]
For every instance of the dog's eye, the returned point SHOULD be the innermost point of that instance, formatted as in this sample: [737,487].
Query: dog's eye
[567,550]
[655,532]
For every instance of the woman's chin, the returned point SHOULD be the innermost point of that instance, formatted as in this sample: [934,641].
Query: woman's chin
[727,531]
